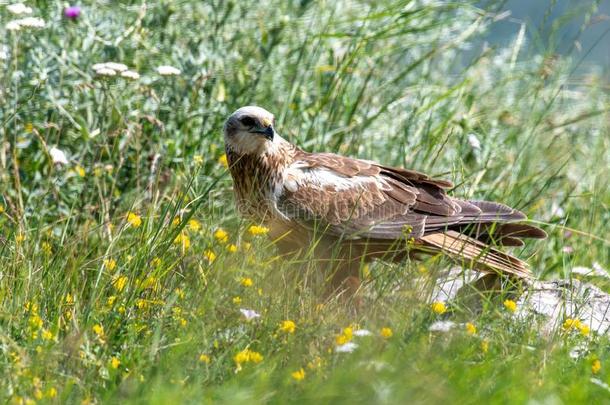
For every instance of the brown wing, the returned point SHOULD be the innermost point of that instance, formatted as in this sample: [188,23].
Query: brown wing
[359,199]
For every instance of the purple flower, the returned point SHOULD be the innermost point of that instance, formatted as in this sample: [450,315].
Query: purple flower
[72,12]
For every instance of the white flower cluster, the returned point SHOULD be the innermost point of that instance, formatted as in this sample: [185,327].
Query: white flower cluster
[166,70]
[111,69]
[27,22]
[18,9]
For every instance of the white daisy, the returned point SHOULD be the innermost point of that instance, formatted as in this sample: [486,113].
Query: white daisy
[58,156]
[362,332]
[346,348]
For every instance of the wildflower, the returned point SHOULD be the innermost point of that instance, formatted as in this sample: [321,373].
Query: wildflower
[386,333]
[585,330]
[231,248]
[46,248]
[166,70]
[80,171]
[510,305]
[38,394]
[596,366]
[221,235]
[236,300]
[183,240]
[119,283]
[155,262]
[51,392]
[19,8]
[346,347]
[58,156]
[35,321]
[204,358]
[98,330]
[29,22]
[183,322]
[117,67]
[298,375]
[256,230]
[46,334]
[210,256]
[471,329]
[246,356]
[72,12]
[198,159]
[571,323]
[110,301]
[194,225]
[134,219]
[344,337]
[439,307]
[363,332]
[484,345]
[115,362]
[130,74]
[222,160]
[13,26]
[441,326]
[109,264]
[1,208]
[105,72]
[69,299]
[249,314]
[288,326]
[246,282]
[20,237]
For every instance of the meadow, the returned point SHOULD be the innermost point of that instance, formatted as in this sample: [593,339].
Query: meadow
[126,275]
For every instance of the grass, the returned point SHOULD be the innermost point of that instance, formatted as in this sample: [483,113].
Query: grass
[100,306]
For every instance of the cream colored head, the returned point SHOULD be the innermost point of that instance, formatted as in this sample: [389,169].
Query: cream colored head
[249,130]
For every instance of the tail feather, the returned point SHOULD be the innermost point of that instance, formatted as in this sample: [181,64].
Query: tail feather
[483,257]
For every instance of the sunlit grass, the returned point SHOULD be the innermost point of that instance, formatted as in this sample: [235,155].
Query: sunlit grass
[127,276]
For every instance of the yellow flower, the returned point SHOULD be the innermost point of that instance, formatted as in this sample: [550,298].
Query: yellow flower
[510,305]
[183,240]
[386,333]
[237,300]
[571,324]
[155,262]
[46,334]
[221,235]
[46,248]
[231,248]
[179,292]
[134,219]
[298,375]
[344,337]
[256,230]
[484,345]
[110,301]
[109,264]
[596,366]
[38,394]
[80,171]
[1,209]
[470,328]
[176,221]
[246,356]
[204,358]
[246,282]
[585,330]
[20,238]
[439,307]
[115,362]
[223,161]
[288,326]
[35,321]
[209,255]
[198,159]
[119,283]
[183,322]
[194,225]
[51,392]
[98,330]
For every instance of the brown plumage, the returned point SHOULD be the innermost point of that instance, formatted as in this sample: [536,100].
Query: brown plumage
[355,210]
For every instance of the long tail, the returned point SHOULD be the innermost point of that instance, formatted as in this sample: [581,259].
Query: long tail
[481,256]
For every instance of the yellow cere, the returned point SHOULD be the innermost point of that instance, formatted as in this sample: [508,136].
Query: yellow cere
[266,122]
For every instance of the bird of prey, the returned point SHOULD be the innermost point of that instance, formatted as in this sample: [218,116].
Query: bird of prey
[349,211]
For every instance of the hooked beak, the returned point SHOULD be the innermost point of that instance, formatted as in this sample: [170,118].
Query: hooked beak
[267,132]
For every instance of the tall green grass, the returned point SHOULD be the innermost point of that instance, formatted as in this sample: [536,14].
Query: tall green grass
[404,82]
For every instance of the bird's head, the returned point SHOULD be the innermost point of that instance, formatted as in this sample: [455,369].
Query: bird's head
[250,130]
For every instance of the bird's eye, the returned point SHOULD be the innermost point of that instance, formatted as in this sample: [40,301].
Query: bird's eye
[248,121]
